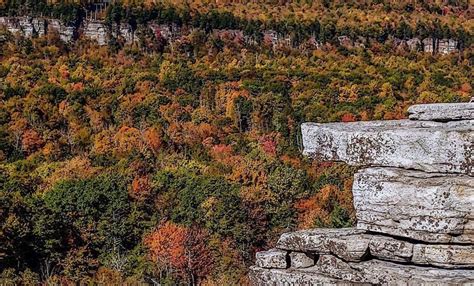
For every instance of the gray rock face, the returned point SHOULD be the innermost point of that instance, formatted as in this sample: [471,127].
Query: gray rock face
[331,270]
[414,203]
[447,256]
[348,244]
[388,273]
[66,33]
[25,25]
[345,243]
[429,207]
[285,277]
[96,31]
[272,258]
[301,260]
[387,248]
[123,31]
[313,240]
[442,111]
[421,145]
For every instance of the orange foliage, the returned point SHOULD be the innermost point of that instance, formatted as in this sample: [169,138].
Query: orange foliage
[141,187]
[348,117]
[127,140]
[320,205]
[166,245]
[182,249]
[152,137]
[294,162]
[31,141]
[189,133]
[221,151]
[79,86]
[79,167]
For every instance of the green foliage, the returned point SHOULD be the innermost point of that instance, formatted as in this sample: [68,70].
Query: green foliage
[100,203]
[287,185]
[204,200]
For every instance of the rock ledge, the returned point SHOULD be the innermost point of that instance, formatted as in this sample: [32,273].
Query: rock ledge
[414,202]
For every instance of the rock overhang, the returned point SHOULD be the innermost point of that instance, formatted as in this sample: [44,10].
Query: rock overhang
[414,202]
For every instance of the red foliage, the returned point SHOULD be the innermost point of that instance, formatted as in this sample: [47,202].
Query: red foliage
[31,141]
[141,187]
[167,244]
[183,249]
[348,117]
[268,145]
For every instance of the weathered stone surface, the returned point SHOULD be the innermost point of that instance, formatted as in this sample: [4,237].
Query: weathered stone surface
[66,33]
[387,248]
[272,258]
[422,145]
[340,242]
[301,260]
[388,273]
[285,277]
[442,111]
[331,270]
[447,256]
[97,31]
[429,207]
[348,243]
[414,204]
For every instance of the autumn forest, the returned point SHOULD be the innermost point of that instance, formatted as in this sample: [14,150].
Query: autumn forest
[174,161]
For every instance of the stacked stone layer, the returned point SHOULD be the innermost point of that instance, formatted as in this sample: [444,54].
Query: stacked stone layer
[414,202]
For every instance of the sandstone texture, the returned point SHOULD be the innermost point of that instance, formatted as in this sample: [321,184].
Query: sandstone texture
[421,145]
[301,260]
[442,111]
[96,31]
[383,272]
[446,256]
[345,243]
[414,203]
[285,277]
[273,258]
[355,245]
[430,207]
[66,33]
[330,270]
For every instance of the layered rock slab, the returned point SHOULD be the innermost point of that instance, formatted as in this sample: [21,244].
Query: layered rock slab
[430,207]
[272,258]
[414,204]
[442,111]
[330,270]
[340,242]
[446,256]
[354,245]
[285,277]
[421,145]
[383,272]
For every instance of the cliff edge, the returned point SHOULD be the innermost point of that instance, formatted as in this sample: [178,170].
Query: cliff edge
[414,202]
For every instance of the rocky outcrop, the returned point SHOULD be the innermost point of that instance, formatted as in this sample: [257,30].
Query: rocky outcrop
[171,32]
[272,258]
[430,207]
[442,112]
[66,33]
[25,25]
[96,31]
[330,270]
[414,202]
[421,145]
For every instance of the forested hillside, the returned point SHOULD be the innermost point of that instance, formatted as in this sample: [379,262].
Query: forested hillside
[156,163]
